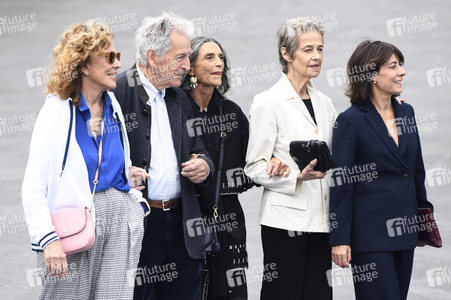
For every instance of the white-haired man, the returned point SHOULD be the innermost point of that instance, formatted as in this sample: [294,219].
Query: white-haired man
[157,112]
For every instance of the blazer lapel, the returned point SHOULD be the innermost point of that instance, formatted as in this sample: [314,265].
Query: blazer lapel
[288,93]
[377,123]
[138,84]
[318,106]
[174,108]
[403,125]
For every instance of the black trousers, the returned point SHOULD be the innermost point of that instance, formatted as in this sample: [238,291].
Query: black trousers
[165,268]
[295,265]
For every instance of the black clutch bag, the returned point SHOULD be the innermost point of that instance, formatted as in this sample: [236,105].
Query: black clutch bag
[303,152]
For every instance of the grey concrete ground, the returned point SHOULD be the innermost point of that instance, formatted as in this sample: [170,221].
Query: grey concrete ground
[30,30]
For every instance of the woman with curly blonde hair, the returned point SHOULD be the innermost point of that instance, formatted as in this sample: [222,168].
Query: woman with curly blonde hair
[79,156]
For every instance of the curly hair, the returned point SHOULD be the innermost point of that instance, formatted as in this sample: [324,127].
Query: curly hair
[77,47]
[366,61]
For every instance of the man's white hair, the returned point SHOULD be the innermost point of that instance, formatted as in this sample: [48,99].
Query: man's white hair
[154,34]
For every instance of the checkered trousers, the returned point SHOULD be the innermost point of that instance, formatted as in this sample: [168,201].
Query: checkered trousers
[107,270]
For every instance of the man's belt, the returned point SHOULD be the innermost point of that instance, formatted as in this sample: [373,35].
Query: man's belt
[166,204]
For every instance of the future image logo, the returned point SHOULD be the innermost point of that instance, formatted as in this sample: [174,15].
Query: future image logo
[396,227]
[438,76]
[236,177]
[239,276]
[410,225]
[409,25]
[195,227]
[33,278]
[154,274]
[438,176]
[329,21]
[133,77]
[336,77]
[236,277]
[211,124]
[254,74]
[35,77]
[18,23]
[208,25]
[195,127]
[17,123]
[356,273]
[351,175]
[117,23]
[438,276]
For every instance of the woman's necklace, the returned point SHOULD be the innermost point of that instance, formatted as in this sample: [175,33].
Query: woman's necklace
[101,116]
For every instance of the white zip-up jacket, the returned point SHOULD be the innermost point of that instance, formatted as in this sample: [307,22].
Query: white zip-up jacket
[45,190]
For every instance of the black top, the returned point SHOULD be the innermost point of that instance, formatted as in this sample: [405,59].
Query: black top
[236,127]
[208,126]
[308,104]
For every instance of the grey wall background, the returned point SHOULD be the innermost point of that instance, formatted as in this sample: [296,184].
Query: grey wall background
[421,29]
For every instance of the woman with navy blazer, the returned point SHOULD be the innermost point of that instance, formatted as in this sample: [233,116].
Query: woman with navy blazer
[378,183]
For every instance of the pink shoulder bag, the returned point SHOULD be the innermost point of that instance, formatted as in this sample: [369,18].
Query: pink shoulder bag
[74,226]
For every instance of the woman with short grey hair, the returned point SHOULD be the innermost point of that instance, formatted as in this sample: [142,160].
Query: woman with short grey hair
[294,209]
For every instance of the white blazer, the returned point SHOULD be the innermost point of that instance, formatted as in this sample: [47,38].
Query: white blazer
[279,116]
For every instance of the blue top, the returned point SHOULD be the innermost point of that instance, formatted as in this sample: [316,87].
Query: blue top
[111,171]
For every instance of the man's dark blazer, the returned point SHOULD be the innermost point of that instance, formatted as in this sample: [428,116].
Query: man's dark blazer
[133,98]
[378,212]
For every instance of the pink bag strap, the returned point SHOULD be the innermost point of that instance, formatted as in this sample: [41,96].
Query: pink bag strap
[96,177]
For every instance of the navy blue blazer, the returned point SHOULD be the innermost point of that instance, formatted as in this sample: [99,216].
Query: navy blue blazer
[132,97]
[376,187]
